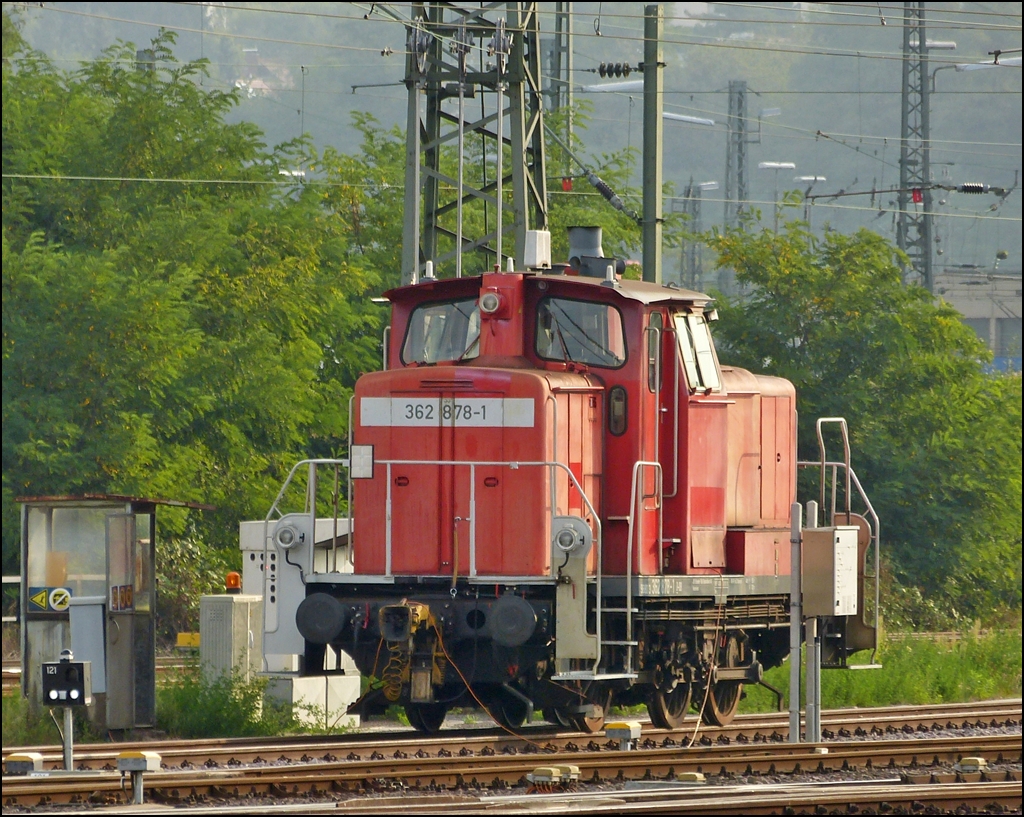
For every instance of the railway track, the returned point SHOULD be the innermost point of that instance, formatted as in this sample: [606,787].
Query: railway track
[496,767]
[789,798]
[745,730]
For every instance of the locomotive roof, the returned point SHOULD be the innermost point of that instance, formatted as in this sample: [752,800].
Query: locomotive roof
[643,291]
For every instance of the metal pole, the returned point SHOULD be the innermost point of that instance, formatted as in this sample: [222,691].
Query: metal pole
[815,725]
[458,204]
[501,50]
[411,228]
[461,46]
[810,734]
[653,126]
[775,201]
[137,788]
[418,44]
[795,606]
[812,721]
[69,739]
[501,169]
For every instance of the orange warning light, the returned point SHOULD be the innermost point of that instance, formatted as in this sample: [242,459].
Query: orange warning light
[233,582]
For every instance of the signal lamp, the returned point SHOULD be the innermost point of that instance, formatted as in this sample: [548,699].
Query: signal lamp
[233,582]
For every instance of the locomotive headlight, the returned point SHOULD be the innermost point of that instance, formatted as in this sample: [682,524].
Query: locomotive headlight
[286,537]
[567,540]
[490,302]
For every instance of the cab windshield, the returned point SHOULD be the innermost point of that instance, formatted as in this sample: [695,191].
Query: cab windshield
[444,331]
[581,332]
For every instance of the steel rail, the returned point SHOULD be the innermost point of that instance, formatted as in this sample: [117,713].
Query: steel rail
[771,728]
[403,771]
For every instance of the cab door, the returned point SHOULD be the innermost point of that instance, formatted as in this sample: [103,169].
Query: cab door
[706,448]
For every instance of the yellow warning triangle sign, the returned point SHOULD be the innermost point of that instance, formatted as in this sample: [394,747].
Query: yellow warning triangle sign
[40,598]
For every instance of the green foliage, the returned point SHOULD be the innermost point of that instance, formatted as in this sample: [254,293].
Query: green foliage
[187,339]
[191,706]
[186,569]
[915,671]
[24,725]
[194,706]
[936,437]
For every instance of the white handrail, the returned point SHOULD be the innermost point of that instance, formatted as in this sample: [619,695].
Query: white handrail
[874,525]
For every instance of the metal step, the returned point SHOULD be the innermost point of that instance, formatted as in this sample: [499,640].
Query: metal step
[589,675]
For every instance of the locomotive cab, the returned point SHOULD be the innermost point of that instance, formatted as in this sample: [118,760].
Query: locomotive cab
[572,502]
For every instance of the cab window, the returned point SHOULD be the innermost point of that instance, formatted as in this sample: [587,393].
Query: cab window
[697,353]
[580,332]
[444,331]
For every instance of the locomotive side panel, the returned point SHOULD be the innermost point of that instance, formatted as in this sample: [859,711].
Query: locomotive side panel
[743,500]
[778,450]
[708,471]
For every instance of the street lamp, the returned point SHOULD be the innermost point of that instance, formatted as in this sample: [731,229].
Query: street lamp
[693,120]
[960,67]
[613,87]
[810,181]
[776,166]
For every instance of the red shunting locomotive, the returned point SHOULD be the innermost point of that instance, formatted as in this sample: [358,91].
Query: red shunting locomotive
[561,499]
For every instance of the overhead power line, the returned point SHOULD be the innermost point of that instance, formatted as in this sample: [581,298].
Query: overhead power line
[636,38]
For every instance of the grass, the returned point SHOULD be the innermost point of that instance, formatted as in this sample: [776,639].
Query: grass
[914,671]
[193,706]
[190,706]
[34,726]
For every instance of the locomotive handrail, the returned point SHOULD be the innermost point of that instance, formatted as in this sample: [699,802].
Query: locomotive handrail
[841,421]
[269,611]
[678,360]
[472,464]
[874,525]
[638,466]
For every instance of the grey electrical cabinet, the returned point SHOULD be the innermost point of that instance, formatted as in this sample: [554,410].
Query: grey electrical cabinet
[829,571]
[231,635]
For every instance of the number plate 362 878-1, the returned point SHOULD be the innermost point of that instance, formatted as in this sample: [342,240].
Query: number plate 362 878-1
[507,412]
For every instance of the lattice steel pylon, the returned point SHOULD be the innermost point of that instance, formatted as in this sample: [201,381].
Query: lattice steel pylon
[691,260]
[736,153]
[560,73]
[914,227]
[433,72]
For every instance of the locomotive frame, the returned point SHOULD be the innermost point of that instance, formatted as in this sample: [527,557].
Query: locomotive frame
[539,419]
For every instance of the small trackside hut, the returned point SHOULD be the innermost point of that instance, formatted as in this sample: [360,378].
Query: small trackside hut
[564,500]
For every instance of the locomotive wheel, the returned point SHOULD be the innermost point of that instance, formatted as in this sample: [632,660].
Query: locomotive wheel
[722,703]
[594,723]
[508,711]
[724,697]
[667,709]
[555,715]
[426,718]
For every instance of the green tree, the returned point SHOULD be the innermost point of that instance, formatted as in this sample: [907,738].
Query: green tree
[177,321]
[936,436]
